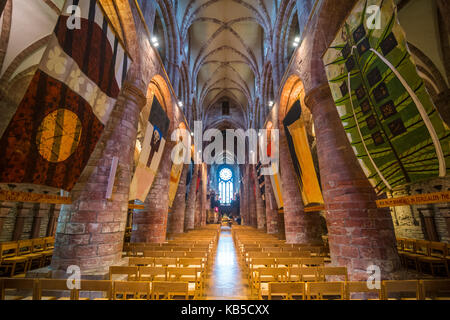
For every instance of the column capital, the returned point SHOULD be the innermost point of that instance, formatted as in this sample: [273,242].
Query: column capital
[316,95]
[134,90]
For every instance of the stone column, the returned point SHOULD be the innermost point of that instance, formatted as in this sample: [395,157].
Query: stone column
[24,210]
[191,200]
[176,220]
[300,227]
[271,208]
[52,218]
[39,211]
[150,224]
[251,198]
[203,186]
[244,199]
[198,204]
[260,210]
[90,231]
[359,233]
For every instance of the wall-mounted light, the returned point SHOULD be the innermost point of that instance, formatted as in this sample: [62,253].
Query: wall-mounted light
[270,104]
[180,104]
[155,42]
[296,41]
[192,134]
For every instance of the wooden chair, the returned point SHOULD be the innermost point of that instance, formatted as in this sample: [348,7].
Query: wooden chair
[303,274]
[152,254]
[435,289]
[360,287]
[130,272]
[301,254]
[90,288]
[166,262]
[323,272]
[9,258]
[131,290]
[39,248]
[400,290]
[48,252]
[21,289]
[262,276]
[137,261]
[409,256]
[287,262]
[312,262]
[192,262]
[435,258]
[169,289]
[174,254]
[322,290]
[287,290]
[152,273]
[46,286]
[194,276]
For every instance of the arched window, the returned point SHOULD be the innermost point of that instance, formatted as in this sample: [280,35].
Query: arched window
[226,186]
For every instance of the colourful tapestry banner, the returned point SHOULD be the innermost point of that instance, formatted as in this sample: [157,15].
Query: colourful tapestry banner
[274,178]
[394,128]
[152,149]
[175,172]
[261,180]
[60,119]
[301,156]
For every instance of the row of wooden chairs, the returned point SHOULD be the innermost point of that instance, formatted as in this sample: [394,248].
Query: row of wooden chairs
[420,253]
[349,290]
[58,289]
[26,253]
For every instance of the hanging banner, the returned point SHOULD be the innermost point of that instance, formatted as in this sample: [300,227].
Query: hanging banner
[150,156]
[60,119]
[274,178]
[261,180]
[394,128]
[175,172]
[301,156]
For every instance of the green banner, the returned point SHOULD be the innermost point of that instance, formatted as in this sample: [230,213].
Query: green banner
[395,130]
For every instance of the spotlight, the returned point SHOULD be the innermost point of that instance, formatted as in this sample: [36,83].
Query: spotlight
[192,134]
[155,42]
[180,104]
[296,41]
[270,103]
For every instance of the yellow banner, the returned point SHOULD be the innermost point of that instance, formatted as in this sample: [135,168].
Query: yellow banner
[437,197]
[135,206]
[18,196]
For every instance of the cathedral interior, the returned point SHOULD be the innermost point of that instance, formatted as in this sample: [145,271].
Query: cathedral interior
[224,149]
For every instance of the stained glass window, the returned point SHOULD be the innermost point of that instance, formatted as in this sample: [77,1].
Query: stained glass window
[226,186]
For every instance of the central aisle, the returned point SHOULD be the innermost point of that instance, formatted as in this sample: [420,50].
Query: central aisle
[226,281]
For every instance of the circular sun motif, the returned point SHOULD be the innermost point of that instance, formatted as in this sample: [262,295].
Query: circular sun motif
[225,174]
[58,135]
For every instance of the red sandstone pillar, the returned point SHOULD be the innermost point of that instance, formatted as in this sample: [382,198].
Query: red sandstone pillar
[300,227]
[359,233]
[150,224]
[260,210]
[51,221]
[244,200]
[204,185]
[176,219]
[90,231]
[191,201]
[271,208]
[198,204]
[251,197]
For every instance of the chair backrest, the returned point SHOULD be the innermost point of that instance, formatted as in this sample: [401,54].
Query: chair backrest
[187,262]
[267,262]
[422,247]
[301,254]
[152,272]
[288,290]
[49,243]
[8,249]
[438,249]
[360,287]
[38,245]
[435,289]
[165,262]
[169,288]
[288,262]
[174,254]
[104,286]
[312,261]
[195,254]
[131,290]
[59,285]
[21,284]
[152,254]
[400,287]
[301,272]
[333,271]
[319,290]
[138,261]
[177,274]
[271,274]
[409,245]
[25,247]
[130,271]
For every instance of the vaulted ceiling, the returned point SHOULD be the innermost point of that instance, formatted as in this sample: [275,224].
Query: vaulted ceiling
[224,43]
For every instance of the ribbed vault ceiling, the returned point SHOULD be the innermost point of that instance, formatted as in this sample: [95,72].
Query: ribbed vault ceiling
[225,47]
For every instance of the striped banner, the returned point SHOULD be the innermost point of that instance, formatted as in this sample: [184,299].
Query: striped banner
[68,103]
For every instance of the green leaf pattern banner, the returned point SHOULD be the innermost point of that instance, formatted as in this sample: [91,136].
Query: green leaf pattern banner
[393,126]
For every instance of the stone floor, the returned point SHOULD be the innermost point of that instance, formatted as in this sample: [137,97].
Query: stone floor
[226,279]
